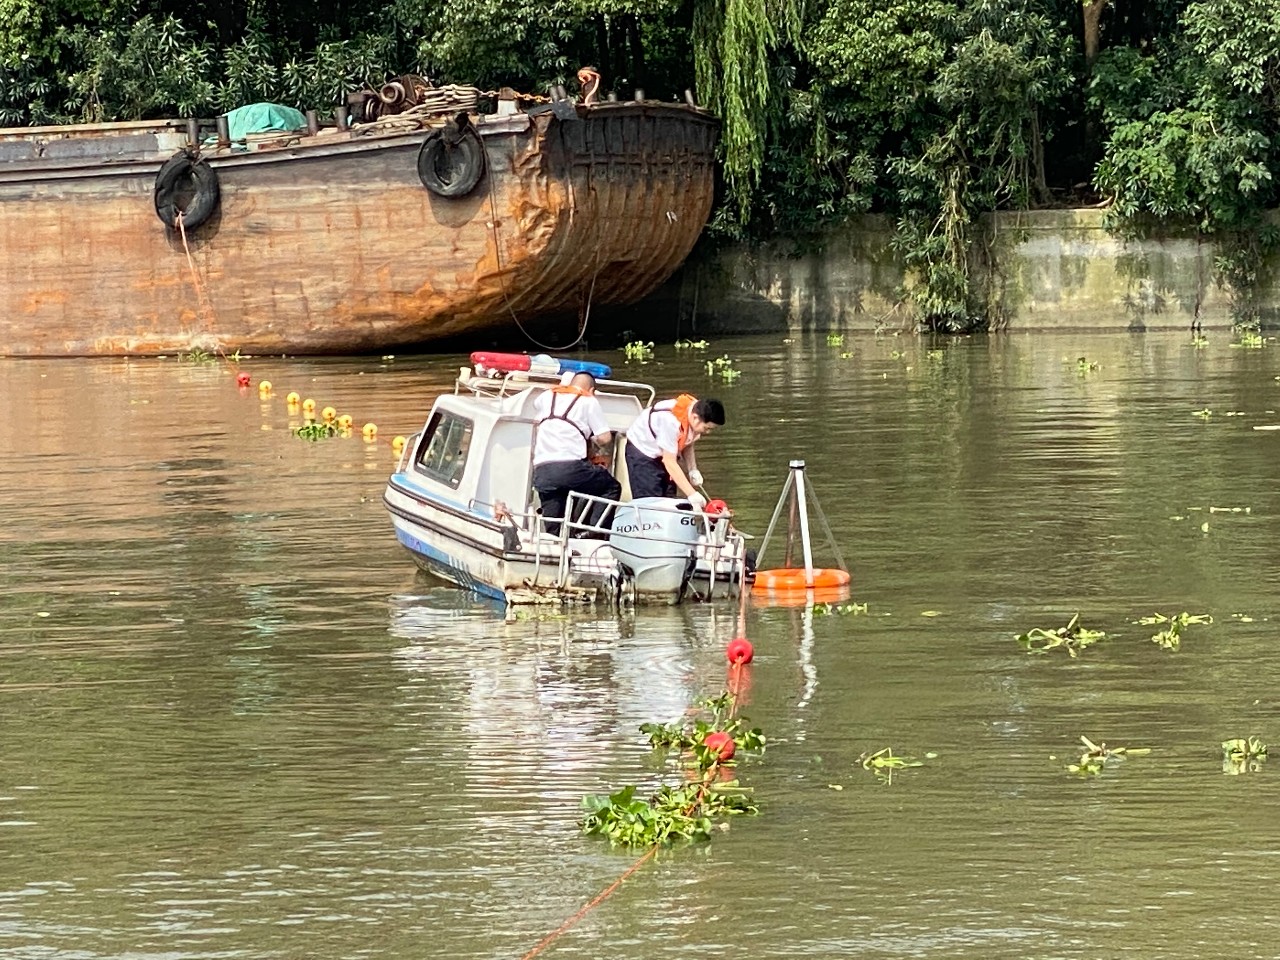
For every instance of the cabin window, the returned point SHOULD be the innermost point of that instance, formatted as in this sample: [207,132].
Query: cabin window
[444,455]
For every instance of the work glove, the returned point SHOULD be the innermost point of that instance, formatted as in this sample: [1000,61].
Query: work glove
[695,477]
[698,500]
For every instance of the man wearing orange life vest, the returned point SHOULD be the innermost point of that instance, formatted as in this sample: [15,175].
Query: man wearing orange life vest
[660,459]
[570,419]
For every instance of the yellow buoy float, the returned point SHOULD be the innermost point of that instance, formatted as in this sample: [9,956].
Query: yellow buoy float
[264,388]
[370,431]
[293,399]
[308,406]
[329,414]
[397,445]
[345,421]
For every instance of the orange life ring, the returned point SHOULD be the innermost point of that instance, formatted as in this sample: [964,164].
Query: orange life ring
[792,579]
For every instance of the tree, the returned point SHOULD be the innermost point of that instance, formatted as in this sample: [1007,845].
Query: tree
[1192,134]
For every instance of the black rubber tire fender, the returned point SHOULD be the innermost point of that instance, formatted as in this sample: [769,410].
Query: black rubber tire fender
[182,167]
[451,169]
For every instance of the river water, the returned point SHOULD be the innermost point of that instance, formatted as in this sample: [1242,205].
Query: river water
[237,723]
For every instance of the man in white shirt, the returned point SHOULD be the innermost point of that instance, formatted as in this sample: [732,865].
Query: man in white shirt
[660,459]
[570,419]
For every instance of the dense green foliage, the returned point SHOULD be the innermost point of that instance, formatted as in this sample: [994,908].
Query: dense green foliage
[933,112]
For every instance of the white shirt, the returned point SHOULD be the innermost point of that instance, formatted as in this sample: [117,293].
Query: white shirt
[664,435]
[568,435]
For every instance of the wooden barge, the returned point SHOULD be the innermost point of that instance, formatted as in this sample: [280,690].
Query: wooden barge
[343,241]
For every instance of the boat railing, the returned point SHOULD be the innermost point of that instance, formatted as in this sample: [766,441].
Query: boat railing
[718,544]
[509,384]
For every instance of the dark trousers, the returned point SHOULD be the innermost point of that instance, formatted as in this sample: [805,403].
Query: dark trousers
[648,477]
[555,480]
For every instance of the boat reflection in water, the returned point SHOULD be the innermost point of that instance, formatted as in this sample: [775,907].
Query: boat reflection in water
[551,703]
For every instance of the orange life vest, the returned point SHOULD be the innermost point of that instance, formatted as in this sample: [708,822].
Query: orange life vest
[679,408]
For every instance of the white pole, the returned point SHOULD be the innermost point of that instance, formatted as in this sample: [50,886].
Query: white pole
[797,471]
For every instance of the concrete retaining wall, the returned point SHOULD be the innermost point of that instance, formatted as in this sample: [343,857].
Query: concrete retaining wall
[1048,270]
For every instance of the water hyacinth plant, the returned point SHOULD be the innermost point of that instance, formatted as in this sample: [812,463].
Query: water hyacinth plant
[1097,756]
[723,368]
[1243,755]
[707,747]
[839,609]
[314,431]
[1170,638]
[884,763]
[687,812]
[639,350]
[1073,638]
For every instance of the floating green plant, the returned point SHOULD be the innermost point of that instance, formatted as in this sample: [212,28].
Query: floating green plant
[835,339]
[691,344]
[1170,638]
[317,431]
[723,368]
[840,609]
[689,811]
[638,350]
[1243,755]
[197,355]
[884,763]
[690,736]
[1204,414]
[686,812]
[1085,365]
[1072,637]
[1097,756]
[1199,341]
[1250,340]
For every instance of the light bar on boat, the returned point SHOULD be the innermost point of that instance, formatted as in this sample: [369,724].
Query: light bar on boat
[539,363]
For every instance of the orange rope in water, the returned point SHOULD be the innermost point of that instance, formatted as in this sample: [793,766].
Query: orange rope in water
[738,676]
[604,894]
[595,902]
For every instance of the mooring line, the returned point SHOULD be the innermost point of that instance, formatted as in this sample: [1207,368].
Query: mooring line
[202,301]
[737,673]
[607,891]
[596,901]
[707,776]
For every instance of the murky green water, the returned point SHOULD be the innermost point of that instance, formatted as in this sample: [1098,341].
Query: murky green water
[236,722]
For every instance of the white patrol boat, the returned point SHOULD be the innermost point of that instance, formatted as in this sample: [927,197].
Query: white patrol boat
[462,501]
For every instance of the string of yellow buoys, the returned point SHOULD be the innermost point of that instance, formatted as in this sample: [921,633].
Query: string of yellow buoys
[296,403]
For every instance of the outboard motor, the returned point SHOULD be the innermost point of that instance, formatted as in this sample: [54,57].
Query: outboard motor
[653,538]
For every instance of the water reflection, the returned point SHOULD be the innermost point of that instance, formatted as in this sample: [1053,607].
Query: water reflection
[238,723]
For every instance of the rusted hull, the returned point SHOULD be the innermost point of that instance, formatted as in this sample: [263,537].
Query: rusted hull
[333,245]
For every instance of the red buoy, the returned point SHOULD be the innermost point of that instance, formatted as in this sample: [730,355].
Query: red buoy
[243,379]
[721,744]
[715,507]
[739,650]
